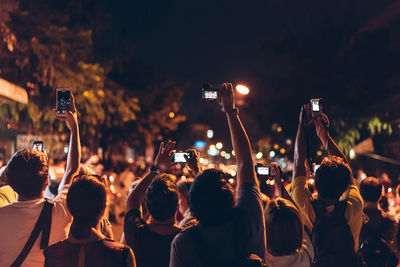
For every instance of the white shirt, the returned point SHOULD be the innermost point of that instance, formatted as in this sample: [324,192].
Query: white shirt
[302,258]
[17,221]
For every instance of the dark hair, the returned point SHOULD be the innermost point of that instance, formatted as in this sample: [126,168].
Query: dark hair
[283,227]
[86,200]
[27,172]
[332,178]
[184,187]
[162,198]
[371,189]
[211,197]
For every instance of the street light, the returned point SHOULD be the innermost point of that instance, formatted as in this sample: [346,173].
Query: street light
[242,89]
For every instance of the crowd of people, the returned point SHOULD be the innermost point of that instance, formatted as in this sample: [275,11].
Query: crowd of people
[201,220]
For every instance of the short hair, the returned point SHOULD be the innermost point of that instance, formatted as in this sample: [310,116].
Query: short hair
[211,198]
[86,200]
[371,189]
[283,227]
[162,198]
[184,187]
[332,178]
[27,172]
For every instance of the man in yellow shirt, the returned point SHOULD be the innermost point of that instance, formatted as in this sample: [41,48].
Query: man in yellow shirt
[336,190]
[7,195]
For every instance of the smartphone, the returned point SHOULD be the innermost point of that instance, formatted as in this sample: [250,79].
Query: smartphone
[316,166]
[178,157]
[38,145]
[316,107]
[263,170]
[209,93]
[63,100]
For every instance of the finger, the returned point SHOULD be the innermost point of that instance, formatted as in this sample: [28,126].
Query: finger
[160,150]
[168,145]
[171,153]
[72,104]
[172,145]
[229,88]
[191,150]
[325,119]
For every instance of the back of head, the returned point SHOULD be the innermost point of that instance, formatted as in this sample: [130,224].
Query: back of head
[211,197]
[332,178]
[27,172]
[371,189]
[162,198]
[283,227]
[86,200]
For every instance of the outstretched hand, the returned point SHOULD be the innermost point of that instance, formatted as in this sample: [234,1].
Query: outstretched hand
[164,157]
[193,162]
[226,96]
[70,117]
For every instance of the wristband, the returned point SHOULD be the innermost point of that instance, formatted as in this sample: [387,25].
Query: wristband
[155,169]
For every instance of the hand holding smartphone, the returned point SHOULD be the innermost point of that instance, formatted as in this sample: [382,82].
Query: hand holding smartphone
[316,107]
[179,157]
[38,145]
[208,93]
[263,170]
[63,98]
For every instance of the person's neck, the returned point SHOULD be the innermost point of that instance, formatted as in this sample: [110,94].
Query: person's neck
[79,231]
[21,198]
[371,205]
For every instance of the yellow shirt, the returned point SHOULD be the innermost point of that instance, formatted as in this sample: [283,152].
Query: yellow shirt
[354,210]
[7,195]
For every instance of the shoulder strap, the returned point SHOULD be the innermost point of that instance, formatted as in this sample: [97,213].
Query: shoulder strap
[42,224]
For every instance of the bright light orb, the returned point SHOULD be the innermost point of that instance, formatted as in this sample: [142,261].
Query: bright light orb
[352,154]
[210,134]
[272,154]
[219,145]
[259,155]
[242,89]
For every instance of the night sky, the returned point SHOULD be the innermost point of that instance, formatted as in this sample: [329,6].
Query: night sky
[196,42]
[213,41]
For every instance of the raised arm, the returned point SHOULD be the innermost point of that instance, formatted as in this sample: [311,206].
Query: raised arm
[280,189]
[74,150]
[162,163]
[240,140]
[321,126]
[300,147]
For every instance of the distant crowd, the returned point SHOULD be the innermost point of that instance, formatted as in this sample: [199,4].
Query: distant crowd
[205,219]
